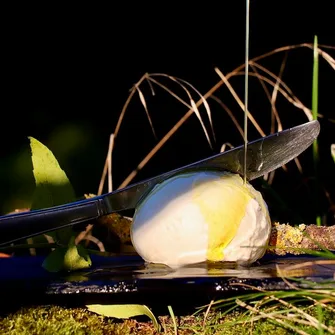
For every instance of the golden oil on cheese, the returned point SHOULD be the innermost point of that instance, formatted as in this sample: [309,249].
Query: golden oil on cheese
[223,203]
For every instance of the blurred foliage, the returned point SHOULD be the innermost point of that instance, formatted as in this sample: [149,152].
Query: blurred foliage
[74,145]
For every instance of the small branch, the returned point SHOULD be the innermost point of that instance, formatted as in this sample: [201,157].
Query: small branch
[96,241]
[28,246]
[297,240]
[269,316]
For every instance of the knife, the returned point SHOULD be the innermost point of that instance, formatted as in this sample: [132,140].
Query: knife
[263,155]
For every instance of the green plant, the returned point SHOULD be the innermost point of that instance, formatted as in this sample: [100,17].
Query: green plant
[54,188]
[303,311]
[315,92]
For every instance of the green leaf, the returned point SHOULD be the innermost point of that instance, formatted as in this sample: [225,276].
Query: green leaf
[315,79]
[315,95]
[74,257]
[52,185]
[124,312]
[54,262]
[315,98]
[332,150]
[53,188]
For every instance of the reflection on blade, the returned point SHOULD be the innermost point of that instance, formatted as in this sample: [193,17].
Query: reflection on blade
[263,156]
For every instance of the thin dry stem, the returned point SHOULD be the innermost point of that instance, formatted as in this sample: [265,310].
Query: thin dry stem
[142,98]
[109,160]
[272,100]
[293,100]
[321,304]
[311,263]
[103,176]
[32,251]
[239,101]
[83,234]
[224,145]
[229,112]
[298,164]
[211,91]
[207,312]
[275,114]
[193,104]
[313,321]
[117,129]
[50,240]
[278,314]
[107,168]
[296,319]
[289,284]
[206,105]
[154,150]
[164,87]
[329,59]
[125,106]
[297,103]
[271,175]
[96,241]
[279,82]
[270,316]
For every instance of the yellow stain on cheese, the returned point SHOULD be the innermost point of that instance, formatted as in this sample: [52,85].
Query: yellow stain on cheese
[223,204]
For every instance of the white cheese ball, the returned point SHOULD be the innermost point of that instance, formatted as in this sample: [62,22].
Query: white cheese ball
[201,216]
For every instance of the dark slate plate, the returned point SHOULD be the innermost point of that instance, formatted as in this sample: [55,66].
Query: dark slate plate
[128,278]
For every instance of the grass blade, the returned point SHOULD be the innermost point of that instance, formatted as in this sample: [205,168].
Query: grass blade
[173,320]
[315,116]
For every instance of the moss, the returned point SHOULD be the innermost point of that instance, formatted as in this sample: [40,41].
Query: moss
[54,320]
[57,320]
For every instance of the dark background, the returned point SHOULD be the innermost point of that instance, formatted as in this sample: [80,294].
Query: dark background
[67,73]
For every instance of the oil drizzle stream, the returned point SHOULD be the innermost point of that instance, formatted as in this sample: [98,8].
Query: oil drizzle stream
[246,90]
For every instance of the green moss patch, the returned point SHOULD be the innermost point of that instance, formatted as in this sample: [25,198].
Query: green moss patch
[52,320]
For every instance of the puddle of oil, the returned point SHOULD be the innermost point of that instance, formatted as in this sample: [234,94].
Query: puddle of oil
[130,270]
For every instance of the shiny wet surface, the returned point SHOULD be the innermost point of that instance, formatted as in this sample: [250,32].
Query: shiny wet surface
[128,278]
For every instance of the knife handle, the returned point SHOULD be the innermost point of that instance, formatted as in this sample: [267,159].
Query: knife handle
[19,226]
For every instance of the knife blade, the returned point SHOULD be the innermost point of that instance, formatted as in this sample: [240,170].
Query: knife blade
[263,155]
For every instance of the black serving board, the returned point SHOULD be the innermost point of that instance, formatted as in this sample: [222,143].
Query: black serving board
[127,279]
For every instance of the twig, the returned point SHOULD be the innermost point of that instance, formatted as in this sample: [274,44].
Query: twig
[270,316]
[96,241]
[207,312]
[211,91]
[110,150]
[236,97]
